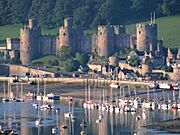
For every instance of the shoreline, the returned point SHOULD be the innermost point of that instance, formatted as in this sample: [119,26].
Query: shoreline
[80,80]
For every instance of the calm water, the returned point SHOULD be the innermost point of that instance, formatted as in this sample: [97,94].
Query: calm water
[23,116]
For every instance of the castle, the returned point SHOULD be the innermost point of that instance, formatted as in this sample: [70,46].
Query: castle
[33,45]
[108,40]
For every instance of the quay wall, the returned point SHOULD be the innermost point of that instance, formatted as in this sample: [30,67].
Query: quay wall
[81,81]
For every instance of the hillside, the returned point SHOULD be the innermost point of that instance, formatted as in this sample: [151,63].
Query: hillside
[168,29]
[13,31]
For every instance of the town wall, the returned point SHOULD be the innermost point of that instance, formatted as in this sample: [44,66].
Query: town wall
[145,68]
[17,70]
[48,45]
[122,41]
[86,45]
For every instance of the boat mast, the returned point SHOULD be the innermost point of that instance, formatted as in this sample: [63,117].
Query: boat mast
[44,88]
[17,91]
[21,90]
[89,89]
[4,90]
[148,93]
[38,88]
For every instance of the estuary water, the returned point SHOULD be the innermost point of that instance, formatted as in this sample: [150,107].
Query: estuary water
[22,116]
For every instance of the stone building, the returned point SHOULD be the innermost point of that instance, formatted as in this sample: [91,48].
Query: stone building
[33,45]
[108,40]
[11,51]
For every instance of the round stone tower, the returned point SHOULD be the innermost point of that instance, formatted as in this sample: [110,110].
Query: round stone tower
[105,40]
[29,42]
[146,36]
[25,46]
[65,37]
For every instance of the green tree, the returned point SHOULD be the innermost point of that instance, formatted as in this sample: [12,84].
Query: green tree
[62,9]
[65,53]
[34,10]
[168,69]
[82,58]
[148,60]
[55,63]
[19,10]
[3,12]
[71,65]
[133,61]
[166,8]
[46,7]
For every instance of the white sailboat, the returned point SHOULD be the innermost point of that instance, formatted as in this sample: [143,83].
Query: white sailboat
[38,96]
[19,98]
[56,130]
[70,114]
[45,97]
[5,98]
[38,121]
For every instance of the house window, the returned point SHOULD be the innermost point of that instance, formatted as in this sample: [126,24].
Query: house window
[64,34]
[139,32]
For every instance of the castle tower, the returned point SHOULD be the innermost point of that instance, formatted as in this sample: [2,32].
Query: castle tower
[105,40]
[146,35]
[29,38]
[66,35]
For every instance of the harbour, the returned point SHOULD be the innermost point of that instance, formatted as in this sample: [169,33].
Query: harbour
[49,116]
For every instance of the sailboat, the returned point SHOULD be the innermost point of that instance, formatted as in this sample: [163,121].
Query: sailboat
[45,97]
[111,107]
[56,130]
[19,99]
[45,106]
[5,98]
[38,121]
[38,96]
[148,103]
[70,114]
[88,103]
[174,105]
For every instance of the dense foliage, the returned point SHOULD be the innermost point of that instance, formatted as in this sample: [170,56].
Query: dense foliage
[133,61]
[86,13]
[82,58]
[67,61]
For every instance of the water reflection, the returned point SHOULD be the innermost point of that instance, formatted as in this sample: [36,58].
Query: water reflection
[22,116]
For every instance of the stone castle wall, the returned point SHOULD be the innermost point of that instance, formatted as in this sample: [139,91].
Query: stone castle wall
[145,68]
[122,41]
[17,70]
[86,45]
[48,45]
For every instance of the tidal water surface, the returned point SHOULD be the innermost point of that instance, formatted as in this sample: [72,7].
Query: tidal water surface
[22,116]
